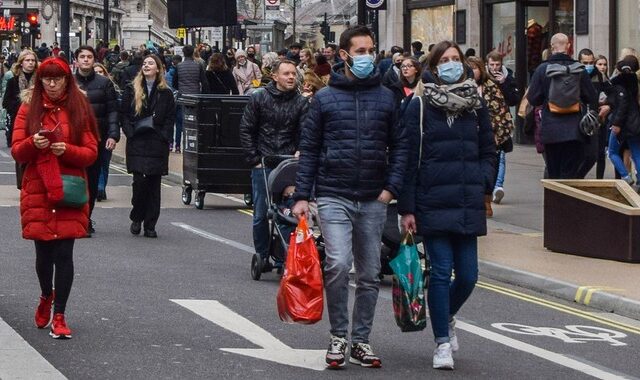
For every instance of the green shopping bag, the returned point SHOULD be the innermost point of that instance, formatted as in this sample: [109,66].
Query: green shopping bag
[409,306]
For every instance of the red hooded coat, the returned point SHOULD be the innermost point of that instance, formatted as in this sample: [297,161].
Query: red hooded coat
[42,220]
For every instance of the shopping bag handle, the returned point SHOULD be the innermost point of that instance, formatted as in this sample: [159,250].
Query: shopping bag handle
[303,225]
[407,238]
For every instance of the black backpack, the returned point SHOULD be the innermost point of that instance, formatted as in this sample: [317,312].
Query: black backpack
[564,91]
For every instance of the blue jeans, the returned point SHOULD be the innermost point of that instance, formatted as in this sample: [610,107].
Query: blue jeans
[502,167]
[177,142]
[457,253]
[616,158]
[260,207]
[352,232]
[103,177]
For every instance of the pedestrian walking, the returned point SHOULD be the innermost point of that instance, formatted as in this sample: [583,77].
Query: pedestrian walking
[147,113]
[247,74]
[220,78]
[270,125]
[354,154]
[625,115]
[451,167]
[602,64]
[410,82]
[564,88]
[23,71]
[189,78]
[501,122]
[268,60]
[104,101]
[251,56]
[596,145]
[51,215]
[392,76]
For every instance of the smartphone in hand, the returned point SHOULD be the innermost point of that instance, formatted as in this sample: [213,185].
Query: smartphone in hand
[53,136]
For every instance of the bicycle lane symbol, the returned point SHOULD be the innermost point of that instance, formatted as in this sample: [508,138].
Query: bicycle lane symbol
[571,333]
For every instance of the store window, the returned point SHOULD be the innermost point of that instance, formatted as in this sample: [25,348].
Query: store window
[628,27]
[504,32]
[432,25]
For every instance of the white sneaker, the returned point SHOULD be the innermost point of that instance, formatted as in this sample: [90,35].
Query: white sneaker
[498,194]
[442,358]
[453,338]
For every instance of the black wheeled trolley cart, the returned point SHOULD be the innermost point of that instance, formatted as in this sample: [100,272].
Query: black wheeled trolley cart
[213,159]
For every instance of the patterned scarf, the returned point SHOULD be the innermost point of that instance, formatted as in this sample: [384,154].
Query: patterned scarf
[23,83]
[454,99]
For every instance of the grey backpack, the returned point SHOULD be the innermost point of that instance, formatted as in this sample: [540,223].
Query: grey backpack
[564,91]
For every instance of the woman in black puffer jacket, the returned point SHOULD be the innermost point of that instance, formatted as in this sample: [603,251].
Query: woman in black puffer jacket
[451,167]
[625,115]
[147,149]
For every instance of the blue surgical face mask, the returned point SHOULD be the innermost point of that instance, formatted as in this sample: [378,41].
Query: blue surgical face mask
[450,72]
[362,66]
[589,68]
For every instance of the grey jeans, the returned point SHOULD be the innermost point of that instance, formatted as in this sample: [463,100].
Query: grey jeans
[351,230]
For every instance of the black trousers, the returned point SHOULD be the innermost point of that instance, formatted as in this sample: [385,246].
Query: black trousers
[93,176]
[56,254]
[590,156]
[146,200]
[564,159]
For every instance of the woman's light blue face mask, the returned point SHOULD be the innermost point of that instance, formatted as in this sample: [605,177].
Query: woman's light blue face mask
[450,72]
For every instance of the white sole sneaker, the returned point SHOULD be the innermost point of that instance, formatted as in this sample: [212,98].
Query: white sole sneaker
[498,194]
[442,358]
[54,336]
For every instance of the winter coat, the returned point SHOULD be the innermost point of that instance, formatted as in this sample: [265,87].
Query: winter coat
[104,100]
[557,128]
[129,74]
[499,114]
[222,82]
[457,168]
[42,220]
[390,78]
[117,73]
[148,152]
[625,110]
[351,145]
[190,78]
[271,122]
[244,76]
[11,101]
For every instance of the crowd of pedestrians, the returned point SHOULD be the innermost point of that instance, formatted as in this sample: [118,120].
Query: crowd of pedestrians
[431,130]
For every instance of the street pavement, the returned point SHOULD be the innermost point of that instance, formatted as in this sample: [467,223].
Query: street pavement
[184,306]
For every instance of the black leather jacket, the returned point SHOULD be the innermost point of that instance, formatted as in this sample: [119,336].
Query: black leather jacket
[271,123]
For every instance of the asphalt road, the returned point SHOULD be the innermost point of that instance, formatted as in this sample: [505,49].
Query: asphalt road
[184,306]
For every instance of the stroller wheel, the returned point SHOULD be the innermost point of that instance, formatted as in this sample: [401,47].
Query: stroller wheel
[199,202]
[256,267]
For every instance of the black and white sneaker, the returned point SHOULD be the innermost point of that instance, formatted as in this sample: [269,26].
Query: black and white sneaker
[362,354]
[336,352]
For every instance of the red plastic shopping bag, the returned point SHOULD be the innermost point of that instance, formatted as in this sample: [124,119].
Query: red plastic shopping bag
[300,297]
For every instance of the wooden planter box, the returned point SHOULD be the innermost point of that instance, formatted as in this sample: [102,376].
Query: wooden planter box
[593,218]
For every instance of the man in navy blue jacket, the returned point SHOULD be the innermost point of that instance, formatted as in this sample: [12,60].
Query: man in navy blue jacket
[355,155]
[560,133]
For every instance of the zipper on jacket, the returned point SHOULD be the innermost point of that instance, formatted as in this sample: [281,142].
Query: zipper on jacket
[358,154]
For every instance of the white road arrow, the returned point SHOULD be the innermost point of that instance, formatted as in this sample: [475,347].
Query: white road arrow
[272,349]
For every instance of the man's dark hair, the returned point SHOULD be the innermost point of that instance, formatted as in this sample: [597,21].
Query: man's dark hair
[176,59]
[585,52]
[276,66]
[87,48]
[494,55]
[430,47]
[137,59]
[282,52]
[188,51]
[417,46]
[333,46]
[396,49]
[471,52]
[353,31]
[124,55]
[295,45]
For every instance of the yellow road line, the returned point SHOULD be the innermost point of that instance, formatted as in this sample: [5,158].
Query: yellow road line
[559,307]
[247,212]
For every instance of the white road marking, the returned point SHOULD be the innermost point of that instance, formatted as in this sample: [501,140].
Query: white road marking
[18,360]
[4,154]
[214,237]
[272,348]
[229,197]
[553,357]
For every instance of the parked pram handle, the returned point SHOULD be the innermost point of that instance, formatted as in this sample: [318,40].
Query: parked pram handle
[272,161]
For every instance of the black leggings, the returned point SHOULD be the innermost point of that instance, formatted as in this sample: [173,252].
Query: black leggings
[58,254]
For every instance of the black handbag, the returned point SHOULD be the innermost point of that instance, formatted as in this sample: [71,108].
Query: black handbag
[143,125]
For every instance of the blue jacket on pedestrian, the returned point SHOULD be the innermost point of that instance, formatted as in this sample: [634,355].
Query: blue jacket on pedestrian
[457,168]
[557,128]
[351,145]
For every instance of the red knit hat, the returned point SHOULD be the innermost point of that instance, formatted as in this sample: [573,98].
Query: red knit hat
[54,67]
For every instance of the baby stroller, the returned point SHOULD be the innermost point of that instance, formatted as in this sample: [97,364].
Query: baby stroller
[282,222]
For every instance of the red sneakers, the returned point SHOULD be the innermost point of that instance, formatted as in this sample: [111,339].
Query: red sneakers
[43,312]
[59,329]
